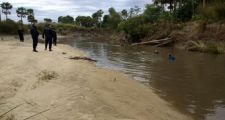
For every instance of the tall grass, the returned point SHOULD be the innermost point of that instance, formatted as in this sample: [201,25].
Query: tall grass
[208,47]
[212,11]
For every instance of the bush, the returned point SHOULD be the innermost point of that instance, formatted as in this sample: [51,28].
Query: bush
[213,11]
[136,28]
[152,12]
[8,27]
[184,13]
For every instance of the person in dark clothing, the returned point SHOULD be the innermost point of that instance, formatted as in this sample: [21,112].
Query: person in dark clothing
[48,35]
[20,33]
[171,57]
[54,36]
[34,34]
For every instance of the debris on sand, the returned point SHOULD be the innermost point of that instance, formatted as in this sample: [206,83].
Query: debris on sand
[46,75]
[83,58]
[63,53]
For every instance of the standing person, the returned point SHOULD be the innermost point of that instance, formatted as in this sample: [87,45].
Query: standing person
[34,34]
[54,36]
[20,33]
[47,35]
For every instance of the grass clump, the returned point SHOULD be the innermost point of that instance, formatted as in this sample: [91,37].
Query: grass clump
[47,75]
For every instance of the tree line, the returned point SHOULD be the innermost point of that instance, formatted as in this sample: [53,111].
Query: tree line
[21,12]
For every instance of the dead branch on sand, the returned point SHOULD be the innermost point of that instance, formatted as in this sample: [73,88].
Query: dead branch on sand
[36,114]
[2,115]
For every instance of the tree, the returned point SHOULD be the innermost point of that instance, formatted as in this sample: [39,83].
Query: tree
[6,7]
[48,20]
[97,17]
[114,18]
[137,10]
[152,12]
[21,12]
[30,12]
[30,16]
[131,12]
[85,21]
[124,14]
[105,21]
[66,19]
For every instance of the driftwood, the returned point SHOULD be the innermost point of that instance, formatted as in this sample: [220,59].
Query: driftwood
[164,43]
[83,58]
[160,42]
[36,114]
[2,115]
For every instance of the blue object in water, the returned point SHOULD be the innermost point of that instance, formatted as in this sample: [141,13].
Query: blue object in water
[171,58]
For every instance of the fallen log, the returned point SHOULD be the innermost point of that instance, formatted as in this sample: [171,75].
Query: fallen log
[83,58]
[152,42]
[164,43]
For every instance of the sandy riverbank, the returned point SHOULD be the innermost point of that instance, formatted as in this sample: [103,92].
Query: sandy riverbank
[65,89]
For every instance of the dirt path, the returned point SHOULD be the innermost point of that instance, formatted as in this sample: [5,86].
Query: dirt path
[49,86]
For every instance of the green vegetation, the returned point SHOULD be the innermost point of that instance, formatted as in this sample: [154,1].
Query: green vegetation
[11,26]
[48,20]
[66,19]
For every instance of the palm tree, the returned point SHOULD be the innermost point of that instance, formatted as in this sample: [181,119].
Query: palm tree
[21,12]
[30,15]
[6,6]
[30,12]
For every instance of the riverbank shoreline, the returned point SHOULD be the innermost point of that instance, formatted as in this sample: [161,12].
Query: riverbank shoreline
[61,88]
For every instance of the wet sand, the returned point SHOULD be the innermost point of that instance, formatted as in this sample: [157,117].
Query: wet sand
[50,86]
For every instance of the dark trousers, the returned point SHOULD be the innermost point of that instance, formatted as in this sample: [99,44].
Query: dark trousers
[21,37]
[48,41]
[35,42]
[54,41]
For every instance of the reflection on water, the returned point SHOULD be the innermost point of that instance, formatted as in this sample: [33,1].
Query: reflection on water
[194,83]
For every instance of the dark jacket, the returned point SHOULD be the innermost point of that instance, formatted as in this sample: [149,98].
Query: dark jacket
[34,33]
[47,34]
[54,35]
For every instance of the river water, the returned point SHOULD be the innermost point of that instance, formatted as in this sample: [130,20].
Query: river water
[194,83]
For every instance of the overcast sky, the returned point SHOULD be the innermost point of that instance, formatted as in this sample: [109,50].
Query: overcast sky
[55,8]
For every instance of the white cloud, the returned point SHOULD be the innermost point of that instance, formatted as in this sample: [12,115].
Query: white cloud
[55,8]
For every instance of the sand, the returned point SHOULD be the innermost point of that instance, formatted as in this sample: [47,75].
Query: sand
[50,86]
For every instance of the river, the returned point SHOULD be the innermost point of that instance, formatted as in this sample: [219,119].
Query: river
[194,83]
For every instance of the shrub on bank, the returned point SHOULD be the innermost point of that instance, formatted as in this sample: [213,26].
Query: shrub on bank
[207,47]
[8,27]
[64,29]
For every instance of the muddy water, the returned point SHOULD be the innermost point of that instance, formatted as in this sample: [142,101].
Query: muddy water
[194,83]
